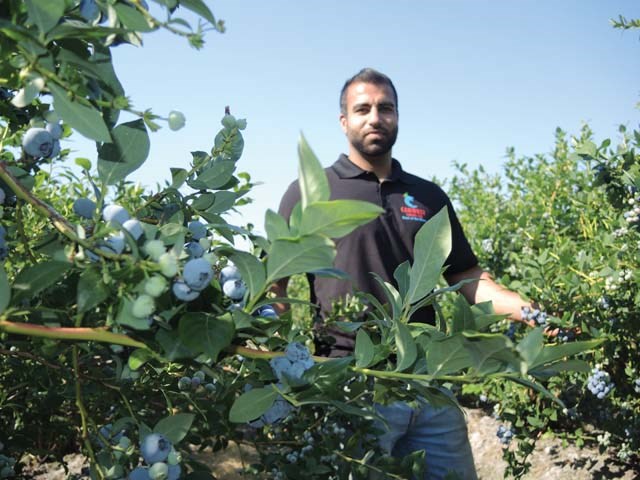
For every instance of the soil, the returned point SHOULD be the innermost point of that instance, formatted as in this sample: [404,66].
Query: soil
[550,460]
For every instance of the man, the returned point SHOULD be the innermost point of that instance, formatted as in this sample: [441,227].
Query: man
[369,119]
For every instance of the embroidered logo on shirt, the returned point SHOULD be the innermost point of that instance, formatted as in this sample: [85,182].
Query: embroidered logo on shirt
[411,211]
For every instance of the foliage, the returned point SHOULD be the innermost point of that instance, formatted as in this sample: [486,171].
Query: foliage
[120,334]
[563,229]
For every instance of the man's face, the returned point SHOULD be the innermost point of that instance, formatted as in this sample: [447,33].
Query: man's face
[371,121]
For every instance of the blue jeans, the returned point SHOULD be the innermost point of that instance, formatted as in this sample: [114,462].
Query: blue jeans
[440,432]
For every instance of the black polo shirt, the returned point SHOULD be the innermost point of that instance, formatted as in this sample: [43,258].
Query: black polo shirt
[384,243]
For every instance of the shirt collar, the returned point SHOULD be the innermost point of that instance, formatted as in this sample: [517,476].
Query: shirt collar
[345,168]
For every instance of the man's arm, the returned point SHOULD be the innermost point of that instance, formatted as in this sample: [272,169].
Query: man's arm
[505,301]
[279,288]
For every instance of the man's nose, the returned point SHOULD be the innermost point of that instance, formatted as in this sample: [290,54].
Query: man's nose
[374,117]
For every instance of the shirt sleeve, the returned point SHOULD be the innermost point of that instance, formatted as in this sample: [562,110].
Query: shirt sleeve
[461,257]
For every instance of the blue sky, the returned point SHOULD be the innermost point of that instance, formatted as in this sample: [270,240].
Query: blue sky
[473,77]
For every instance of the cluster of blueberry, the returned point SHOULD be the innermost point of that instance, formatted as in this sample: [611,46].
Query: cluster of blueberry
[566,335]
[44,142]
[636,385]
[538,316]
[599,383]
[162,460]
[193,383]
[613,282]
[511,331]
[90,11]
[633,215]
[7,465]
[233,286]
[504,434]
[296,360]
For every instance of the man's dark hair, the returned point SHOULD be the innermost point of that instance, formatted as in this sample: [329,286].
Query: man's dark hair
[366,75]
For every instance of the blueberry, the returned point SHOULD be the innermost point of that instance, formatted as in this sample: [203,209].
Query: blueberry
[184,383]
[134,227]
[174,472]
[84,207]
[115,214]
[114,244]
[55,129]
[176,120]
[194,249]
[280,409]
[267,311]
[198,229]
[230,272]
[183,292]
[37,142]
[200,375]
[198,273]
[155,447]
[90,11]
[234,289]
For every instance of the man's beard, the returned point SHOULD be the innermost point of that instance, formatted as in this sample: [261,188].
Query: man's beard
[376,148]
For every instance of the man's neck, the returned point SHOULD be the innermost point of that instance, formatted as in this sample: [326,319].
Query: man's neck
[380,166]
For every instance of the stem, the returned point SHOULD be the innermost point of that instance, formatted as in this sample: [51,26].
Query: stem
[30,356]
[21,234]
[71,333]
[83,414]
[370,467]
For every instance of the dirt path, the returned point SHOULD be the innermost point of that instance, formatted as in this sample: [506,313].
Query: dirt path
[550,460]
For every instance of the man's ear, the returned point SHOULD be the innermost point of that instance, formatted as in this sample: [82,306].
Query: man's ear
[343,122]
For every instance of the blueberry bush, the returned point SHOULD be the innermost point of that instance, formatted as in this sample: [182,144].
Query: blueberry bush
[563,229]
[133,331]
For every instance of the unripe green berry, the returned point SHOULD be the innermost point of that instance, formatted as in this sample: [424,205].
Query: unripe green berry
[168,265]
[144,306]
[155,249]
[174,457]
[200,375]
[155,286]
[159,471]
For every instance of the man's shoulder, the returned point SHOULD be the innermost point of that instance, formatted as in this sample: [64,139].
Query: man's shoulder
[422,183]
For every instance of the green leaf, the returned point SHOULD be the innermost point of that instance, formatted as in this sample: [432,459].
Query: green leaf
[251,269]
[91,290]
[5,290]
[275,225]
[175,427]
[288,257]
[364,349]
[132,18]
[314,186]
[45,13]
[205,333]
[172,346]
[138,358]
[555,368]
[215,176]
[223,201]
[229,144]
[250,405]
[199,7]
[401,276]
[432,247]
[34,279]
[407,351]
[462,316]
[178,177]
[551,353]
[393,297]
[490,353]
[448,355]
[126,154]
[531,346]
[127,318]
[86,120]
[336,218]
